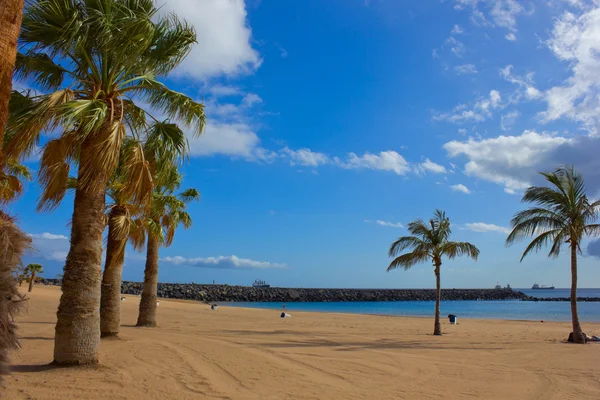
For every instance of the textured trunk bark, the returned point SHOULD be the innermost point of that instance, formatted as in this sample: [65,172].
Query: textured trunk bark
[577,333]
[78,325]
[110,301]
[147,314]
[11,13]
[437,329]
[31,281]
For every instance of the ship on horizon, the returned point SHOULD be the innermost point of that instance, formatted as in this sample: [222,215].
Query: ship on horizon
[542,287]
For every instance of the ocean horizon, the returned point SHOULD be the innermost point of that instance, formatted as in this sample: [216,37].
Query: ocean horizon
[480,309]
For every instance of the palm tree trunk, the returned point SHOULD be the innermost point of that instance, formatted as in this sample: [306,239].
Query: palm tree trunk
[577,333]
[110,301]
[437,329]
[11,13]
[78,321]
[31,281]
[147,314]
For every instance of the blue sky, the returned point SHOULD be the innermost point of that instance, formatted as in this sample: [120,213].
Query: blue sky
[332,124]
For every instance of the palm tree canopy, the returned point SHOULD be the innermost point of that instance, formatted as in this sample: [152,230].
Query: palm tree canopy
[428,241]
[168,210]
[100,61]
[37,268]
[562,213]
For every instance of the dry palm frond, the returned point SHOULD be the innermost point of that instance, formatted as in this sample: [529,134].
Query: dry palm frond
[138,173]
[13,243]
[54,170]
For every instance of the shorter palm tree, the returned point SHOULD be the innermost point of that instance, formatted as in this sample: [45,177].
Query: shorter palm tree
[562,214]
[166,213]
[430,241]
[32,270]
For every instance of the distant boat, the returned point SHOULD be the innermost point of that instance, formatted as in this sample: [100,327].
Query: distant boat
[541,287]
[260,284]
[498,286]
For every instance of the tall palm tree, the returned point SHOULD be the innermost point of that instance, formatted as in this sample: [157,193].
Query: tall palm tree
[165,146]
[99,60]
[430,241]
[166,213]
[562,214]
[11,12]
[33,270]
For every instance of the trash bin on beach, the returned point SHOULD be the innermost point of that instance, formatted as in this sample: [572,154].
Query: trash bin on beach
[452,318]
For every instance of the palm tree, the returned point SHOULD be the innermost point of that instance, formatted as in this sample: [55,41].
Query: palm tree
[430,241]
[99,60]
[165,145]
[166,212]
[11,13]
[562,214]
[32,270]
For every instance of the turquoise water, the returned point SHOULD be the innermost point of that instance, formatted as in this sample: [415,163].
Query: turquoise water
[498,309]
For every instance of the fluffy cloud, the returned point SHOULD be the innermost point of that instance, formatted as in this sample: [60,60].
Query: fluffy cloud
[465,69]
[305,157]
[507,120]
[514,161]
[385,223]
[224,90]
[483,227]
[526,88]
[593,248]
[460,188]
[501,13]
[430,166]
[222,262]
[481,111]
[223,35]
[457,30]
[576,40]
[456,46]
[385,161]
[50,246]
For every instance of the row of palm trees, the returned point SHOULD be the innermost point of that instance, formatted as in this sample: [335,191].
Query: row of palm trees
[104,114]
[561,214]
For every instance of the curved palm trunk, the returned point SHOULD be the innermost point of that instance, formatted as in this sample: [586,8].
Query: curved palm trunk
[577,333]
[147,315]
[31,281]
[437,330]
[110,299]
[11,13]
[78,325]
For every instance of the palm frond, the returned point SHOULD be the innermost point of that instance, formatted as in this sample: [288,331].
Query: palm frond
[408,260]
[458,249]
[405,242]
[41,68]
[189,195]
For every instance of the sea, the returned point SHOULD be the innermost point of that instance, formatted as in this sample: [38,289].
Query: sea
[496,309]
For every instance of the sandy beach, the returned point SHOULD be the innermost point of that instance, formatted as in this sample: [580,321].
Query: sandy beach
[235,353]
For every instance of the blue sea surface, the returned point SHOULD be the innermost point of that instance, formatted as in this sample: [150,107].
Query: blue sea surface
[497,309]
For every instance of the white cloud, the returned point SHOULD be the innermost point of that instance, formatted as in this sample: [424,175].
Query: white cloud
[507,120]
[526,85]
[222,262]
[514,161]
[460,188]
[305,157]
[483,227]
[510,36]
[456,46]
[385,161]
[465,69]
[576,40]
[430,166]
[250,99]
[501,13]
[47,236]
[224,37]
[462,131]
[60,256]
[224,90]
[481,111]
[457,30]
[385,223]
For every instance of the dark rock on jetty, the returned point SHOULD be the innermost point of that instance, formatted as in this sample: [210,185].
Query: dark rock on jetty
[220,293]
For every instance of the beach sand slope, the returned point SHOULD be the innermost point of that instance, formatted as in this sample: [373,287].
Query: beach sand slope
[235,353]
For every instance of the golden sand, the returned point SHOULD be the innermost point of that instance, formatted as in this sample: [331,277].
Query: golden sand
[235,353]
